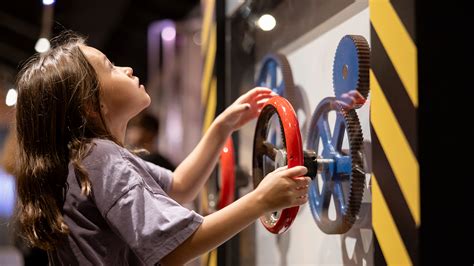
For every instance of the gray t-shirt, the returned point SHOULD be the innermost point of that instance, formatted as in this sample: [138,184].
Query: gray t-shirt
[128,219]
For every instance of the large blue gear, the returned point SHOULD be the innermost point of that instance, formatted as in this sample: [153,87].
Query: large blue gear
[351,66]
[342,180]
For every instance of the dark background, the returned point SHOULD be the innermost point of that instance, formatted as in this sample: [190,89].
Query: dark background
[116,27]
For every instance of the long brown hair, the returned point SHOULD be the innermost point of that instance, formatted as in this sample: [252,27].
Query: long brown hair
[58,97]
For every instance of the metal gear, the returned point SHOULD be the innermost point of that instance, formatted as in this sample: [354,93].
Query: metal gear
[351,66]
[268,75]
[342,174]
[276,74]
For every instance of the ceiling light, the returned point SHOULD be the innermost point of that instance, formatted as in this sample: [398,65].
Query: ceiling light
[266,22]
[168,33]
[12,95]
[48,2]
[42,45]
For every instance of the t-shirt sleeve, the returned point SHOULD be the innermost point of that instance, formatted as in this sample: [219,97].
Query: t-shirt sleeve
[136,206]
[163,176]
[151,223]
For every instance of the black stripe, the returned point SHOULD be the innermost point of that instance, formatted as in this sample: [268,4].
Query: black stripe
[390,83]
[379,259]
[406,12]
[394,197]
[220,66]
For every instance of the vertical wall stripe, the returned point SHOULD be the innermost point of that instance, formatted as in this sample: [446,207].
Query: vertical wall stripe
[396,147]
[397,42]
[386,231]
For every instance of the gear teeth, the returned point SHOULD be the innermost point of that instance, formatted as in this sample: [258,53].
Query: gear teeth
[363,53]
[357,179]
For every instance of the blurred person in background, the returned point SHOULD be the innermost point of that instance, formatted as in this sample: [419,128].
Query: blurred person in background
[142,133]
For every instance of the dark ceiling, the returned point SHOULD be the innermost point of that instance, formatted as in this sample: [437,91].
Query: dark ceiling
[117,27]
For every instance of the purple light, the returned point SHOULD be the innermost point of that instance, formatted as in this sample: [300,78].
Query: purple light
[7,194]
[48,2]
[168,33]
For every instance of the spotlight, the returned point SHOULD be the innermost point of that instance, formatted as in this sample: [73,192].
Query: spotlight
[168,33]
[48,2]
[266,22]
[10,100]
[42,45]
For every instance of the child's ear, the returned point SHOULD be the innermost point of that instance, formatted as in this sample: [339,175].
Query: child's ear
[104,109]
[94,114]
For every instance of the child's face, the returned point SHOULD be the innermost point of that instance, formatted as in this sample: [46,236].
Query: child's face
[122,95]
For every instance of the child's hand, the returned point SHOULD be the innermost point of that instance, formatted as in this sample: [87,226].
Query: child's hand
[352,99]
[245,108]
[279,189]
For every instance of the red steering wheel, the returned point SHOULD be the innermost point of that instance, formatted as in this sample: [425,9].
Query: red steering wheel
[282,147]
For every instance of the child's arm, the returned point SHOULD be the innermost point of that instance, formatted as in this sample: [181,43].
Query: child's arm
[276,191]
[192,173]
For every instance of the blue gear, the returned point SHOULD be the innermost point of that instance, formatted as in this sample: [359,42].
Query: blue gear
[351,66]
[343,179]
[267,77]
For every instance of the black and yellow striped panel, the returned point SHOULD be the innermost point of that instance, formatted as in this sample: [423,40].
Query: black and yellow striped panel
[394,104]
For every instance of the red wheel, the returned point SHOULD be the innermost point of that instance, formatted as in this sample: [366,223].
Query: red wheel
[219,190]
[270,152]
[227,174]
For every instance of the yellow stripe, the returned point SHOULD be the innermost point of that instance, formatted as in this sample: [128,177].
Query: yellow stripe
[211,106]
[206,25]
[213,259]
[393,248]
[208,67]
[397,42]
[399,154]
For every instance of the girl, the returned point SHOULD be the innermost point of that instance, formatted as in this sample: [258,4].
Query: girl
[89,201]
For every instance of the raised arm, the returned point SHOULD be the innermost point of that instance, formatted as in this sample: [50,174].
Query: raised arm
[277,191]
[192,173]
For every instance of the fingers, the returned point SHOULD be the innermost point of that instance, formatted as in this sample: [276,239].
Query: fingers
[343,105]
[260,97]
[295,171]
[348,100]
[242,107]
[301,190]
[357,97]
[249,95]
[302,182]
[301,200]
[351,99]
[257,91]
[291,172]
[356,94]
[287,186]
[260,90]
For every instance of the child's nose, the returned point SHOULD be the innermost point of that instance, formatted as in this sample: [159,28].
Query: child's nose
[129,71]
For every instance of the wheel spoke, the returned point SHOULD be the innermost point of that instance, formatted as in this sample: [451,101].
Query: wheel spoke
[338,134]
[269,150]
[325,132]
